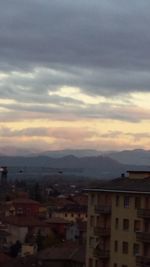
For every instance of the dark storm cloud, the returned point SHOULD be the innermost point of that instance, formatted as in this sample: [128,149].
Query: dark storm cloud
[100,46]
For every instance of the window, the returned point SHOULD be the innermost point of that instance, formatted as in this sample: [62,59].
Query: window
[135,249]
[125,247]
[91,242]
[124,265]
[137,202]
[125,224]
[92,198]
[116,246]
[117,200]
[115,264]
[19,211]
[90,263]
[126,202]
[137,225]
[116,223]
[92,221]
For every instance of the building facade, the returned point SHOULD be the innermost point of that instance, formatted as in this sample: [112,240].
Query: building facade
[118,232]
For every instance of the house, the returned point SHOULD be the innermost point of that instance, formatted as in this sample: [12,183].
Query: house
[71,212]
[21,206]
[58,226]
[118,232]
[76,231]
[26,207]
[19,227]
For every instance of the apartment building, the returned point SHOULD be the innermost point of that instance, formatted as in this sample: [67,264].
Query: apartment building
[118,231]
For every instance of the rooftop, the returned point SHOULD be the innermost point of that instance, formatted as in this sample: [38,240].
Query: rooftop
[56,220]
[22,221]
[131,184]
[65,251]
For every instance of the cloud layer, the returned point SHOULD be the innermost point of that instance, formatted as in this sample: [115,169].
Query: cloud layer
[74,61]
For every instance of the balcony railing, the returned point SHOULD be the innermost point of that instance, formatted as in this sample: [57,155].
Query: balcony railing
[102,209]
[101,231]
[142,261]
[143,213]
[143,237]
[101,254]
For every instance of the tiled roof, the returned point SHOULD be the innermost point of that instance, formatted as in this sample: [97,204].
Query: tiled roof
[25,201]
[23,221]
[74,208]
[66,251]
[56,220]
[126,184]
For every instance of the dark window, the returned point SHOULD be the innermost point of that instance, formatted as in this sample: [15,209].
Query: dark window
[125,224]
[92,221]
[124,265]
[137,226]
[135,249]
[125,247]
[116,223]
[116,246]
[115,264]
[117,200]
[90,263]
[137,202]
[92,198]
[126,202]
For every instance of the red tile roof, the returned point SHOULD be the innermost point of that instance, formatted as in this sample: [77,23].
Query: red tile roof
[22,221]
[57,220]
[25,201]
[65,251]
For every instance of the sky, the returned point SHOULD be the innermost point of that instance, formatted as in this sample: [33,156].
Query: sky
[74,74]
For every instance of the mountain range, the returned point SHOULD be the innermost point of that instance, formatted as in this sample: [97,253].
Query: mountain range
[136,157]
[110,165]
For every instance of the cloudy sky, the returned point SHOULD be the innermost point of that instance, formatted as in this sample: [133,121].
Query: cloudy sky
[74,74]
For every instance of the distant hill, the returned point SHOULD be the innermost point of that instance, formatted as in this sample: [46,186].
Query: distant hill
[136,157]
[75,152]
[133,157]
[99,166]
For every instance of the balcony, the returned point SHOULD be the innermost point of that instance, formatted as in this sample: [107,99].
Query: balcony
[103,209]
[142,261]
[143,213]
[101,254]
[101,231]
[143,237]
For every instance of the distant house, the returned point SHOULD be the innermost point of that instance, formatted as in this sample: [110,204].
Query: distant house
[19,226]
[76,231]
[72,232]
[72,212]
[58,226]
[21,206]
[26,207]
